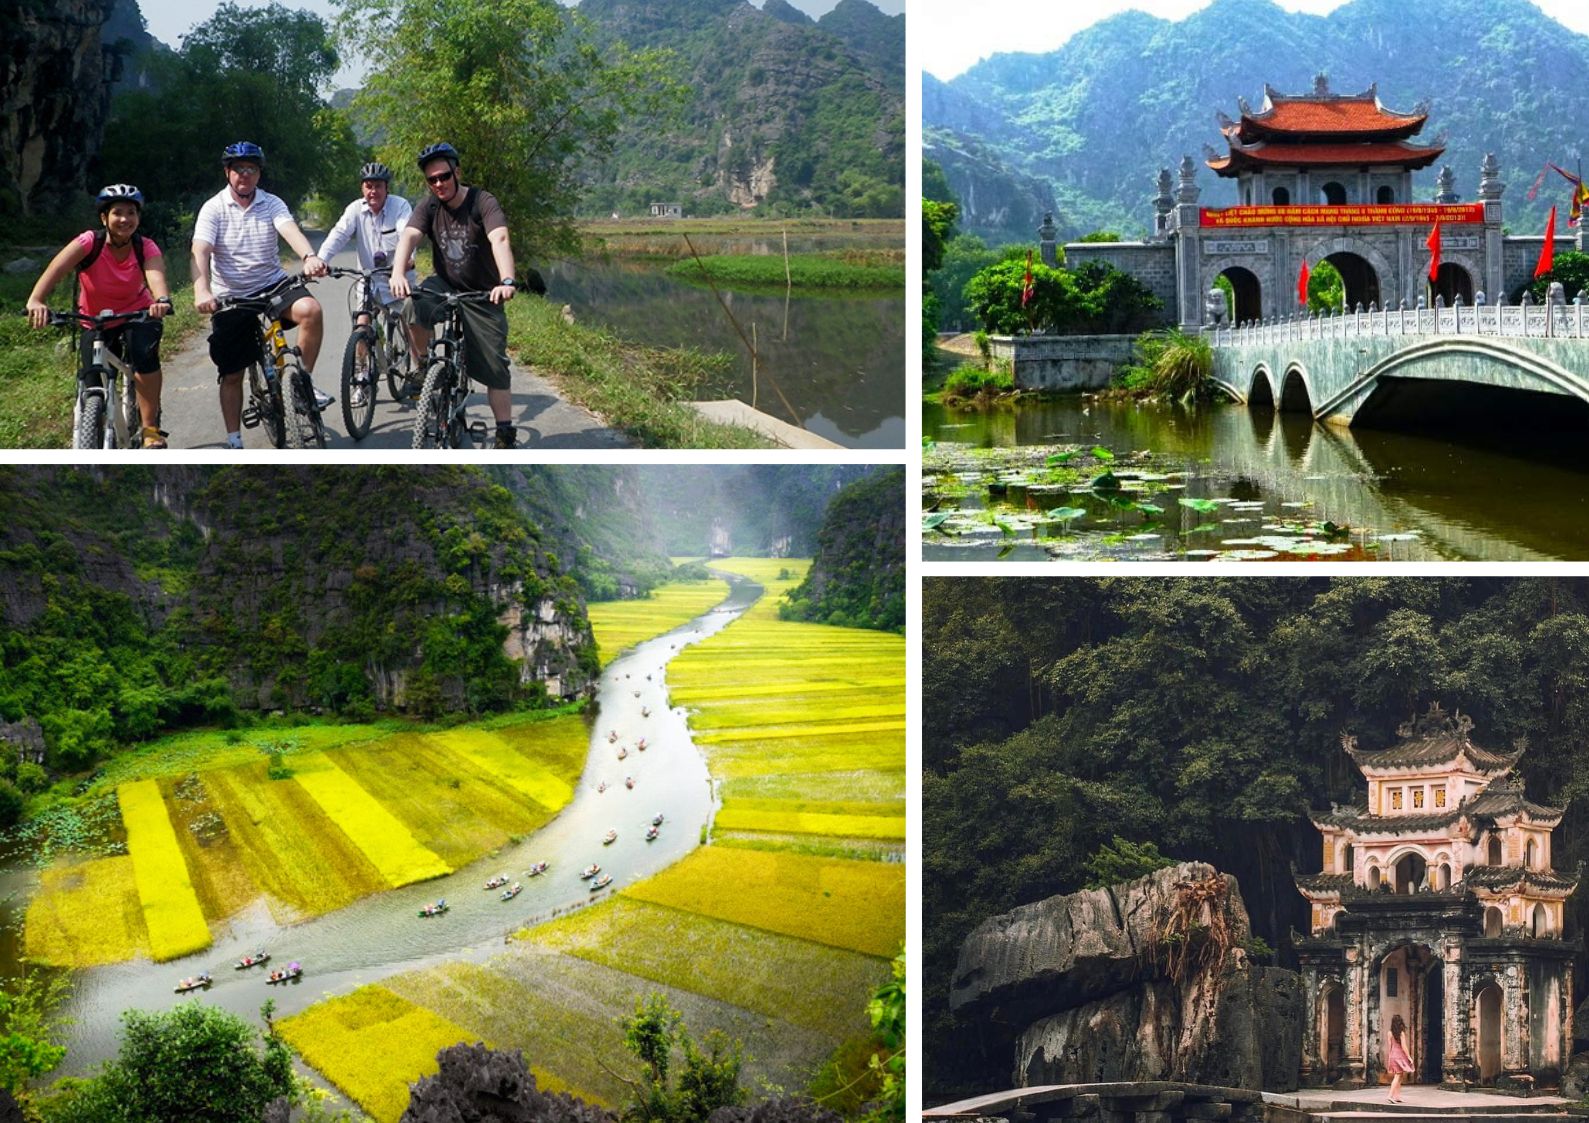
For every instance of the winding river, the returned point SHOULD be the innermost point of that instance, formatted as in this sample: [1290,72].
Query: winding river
[383,935]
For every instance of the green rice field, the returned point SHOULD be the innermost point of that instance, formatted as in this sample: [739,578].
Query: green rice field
[621,624]
[356,810]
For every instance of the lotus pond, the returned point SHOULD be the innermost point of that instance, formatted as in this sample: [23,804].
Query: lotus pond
[1086,478]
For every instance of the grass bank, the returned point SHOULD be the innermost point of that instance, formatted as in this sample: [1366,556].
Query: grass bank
[847,271]
[38,369]
[639,390]
[620,624]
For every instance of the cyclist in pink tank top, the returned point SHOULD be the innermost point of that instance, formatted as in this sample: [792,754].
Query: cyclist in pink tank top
[125,273]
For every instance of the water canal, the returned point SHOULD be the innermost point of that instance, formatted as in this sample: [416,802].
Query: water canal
[1258,484]
[837,357]
[383,935]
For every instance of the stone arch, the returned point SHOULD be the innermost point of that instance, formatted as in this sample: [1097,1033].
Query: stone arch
[1326,247]
[1411,870]
[1488,1003]
[1530,852]
[1373,878]
[1243,279]
[1454,280]
[1296,395]
[1281,196]
[1261,390]
[1540,920]
[1348,857]
[1385,194]
[1440,871]
[1332,193]
[1495,852]
[1493,920]
[1331,1014]
[1360,278]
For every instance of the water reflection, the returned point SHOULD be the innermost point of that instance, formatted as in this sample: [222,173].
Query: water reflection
[838,360]
[1463,501]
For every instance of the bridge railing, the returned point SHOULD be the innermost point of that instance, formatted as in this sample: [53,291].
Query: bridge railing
[1541,321]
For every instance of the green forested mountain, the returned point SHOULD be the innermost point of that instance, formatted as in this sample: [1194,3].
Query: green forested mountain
[1205,715]
[1098,117]
[755,509]
[858,576]
[780,109]
[136,599]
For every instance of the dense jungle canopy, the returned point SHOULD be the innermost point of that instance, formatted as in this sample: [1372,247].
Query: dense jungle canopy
[1204,715]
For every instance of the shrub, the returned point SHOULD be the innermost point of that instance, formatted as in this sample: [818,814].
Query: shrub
[970,382]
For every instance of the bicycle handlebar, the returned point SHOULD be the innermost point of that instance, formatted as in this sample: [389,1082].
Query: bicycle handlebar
[260,302]
[78,319]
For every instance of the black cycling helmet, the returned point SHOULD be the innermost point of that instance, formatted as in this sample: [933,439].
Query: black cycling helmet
[438,151]
[114,193]
[375,170]
[242,150]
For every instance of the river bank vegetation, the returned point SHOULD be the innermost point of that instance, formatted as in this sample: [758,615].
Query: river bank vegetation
[852,269]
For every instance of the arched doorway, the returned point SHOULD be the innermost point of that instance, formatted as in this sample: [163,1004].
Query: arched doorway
[1451,282]
[1281,196]
[1385,194]
[1492,921]
[1411,869]
[1495,856]
[1434,1023]
[1333,194]
[1528,854]
[1362,283]
[1488,1004]
[1332,1028]
[1247,304]
[1541,920]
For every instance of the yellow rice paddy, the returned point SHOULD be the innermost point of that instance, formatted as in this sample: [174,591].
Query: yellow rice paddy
[171,910]
[368,1036]
[384,840]
[622,624]
[86,914]
[844,904]
[492,755]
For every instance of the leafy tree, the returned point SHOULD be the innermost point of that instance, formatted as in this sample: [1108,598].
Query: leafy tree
[963,255]
[1326,289]
[31,1028]
[193,1062]
[1095,298]
[11,803]
[709,1079]
[245,73]
[1571,269]
[516,86]
[937,226]
[934,184]
[1122,860]
[887,1013]
[1100,236]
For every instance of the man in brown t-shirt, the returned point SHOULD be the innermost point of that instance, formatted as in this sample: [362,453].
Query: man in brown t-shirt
[469,236]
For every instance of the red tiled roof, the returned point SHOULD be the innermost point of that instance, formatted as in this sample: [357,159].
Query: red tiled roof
[1332,115]
[1377,153]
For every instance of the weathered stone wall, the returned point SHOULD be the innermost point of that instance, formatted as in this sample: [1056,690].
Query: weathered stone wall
[1063,362]
[1152,263]
[55,83]
[1520,254]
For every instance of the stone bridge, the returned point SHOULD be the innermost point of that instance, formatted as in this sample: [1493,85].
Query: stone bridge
[1345,368]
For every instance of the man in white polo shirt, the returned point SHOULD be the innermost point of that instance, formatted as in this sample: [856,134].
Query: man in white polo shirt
[236,235]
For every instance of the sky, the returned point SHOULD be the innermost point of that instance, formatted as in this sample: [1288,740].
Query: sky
[948,36]
[169,20]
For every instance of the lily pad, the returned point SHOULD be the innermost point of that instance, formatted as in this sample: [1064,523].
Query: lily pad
[933,522]
[1105,482]
[1202,505]
[1058,458]
[1101,453]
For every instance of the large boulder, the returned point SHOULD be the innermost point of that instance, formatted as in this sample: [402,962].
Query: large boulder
[475,1084]
[1066,951]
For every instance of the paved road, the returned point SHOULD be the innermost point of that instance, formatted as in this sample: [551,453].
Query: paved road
[191,412]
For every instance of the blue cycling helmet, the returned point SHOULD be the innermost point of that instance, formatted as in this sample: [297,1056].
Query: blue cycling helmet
[375,170]
[438,151]
[242,150]
[114,193]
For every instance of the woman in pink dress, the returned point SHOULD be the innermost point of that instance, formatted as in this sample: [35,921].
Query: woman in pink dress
[1397,1062]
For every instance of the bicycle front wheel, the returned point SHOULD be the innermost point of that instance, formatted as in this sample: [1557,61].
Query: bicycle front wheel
[304,427]
[435,406]
[89,431]
[267,405]
[361,377]
[401,378]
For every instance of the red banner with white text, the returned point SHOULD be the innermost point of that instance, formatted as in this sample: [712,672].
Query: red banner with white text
[1351,214]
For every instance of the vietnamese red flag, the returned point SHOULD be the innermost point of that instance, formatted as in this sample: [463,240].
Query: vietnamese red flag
[1028,286]
[1547,252]
[1302,283]
[1434,252]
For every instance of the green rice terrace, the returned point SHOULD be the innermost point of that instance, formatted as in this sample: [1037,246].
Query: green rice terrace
[777,743]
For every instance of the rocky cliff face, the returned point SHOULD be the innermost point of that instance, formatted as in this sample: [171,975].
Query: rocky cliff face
[55,81]
[858,576]
[1093,987]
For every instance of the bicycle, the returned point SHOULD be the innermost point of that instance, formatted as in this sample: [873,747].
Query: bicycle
[382,344]
[445,393]
[105,414]
[279,389]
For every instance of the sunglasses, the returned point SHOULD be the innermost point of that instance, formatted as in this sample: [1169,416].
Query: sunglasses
[439,179]
[245,169]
